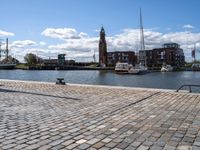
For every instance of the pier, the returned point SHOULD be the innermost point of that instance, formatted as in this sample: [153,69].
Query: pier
[37,115]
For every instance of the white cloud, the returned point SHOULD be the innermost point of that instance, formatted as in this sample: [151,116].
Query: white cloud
[63,33]
[83,35]
[188,26]
[43,43]
[5,33]
[24,43]
[86,44]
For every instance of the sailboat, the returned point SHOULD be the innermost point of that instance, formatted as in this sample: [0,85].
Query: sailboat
[125,68]
[195,66]
[142,68]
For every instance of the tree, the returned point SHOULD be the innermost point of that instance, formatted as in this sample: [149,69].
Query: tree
[30,59]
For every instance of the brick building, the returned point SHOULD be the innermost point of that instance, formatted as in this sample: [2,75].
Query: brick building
[170,54]
[121,56]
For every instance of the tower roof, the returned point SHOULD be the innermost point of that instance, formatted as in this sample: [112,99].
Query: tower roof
[102,29]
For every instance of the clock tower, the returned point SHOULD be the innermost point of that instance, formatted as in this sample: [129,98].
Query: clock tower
[102,49]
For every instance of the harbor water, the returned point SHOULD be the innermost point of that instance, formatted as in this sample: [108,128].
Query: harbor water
[166,80]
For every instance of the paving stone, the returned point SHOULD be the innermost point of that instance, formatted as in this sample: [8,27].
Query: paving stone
[57,147]
[9,146]
[98,145]
[130,148]
[184,147]
[33,141]
[45,147]
[197,144]
[111,144]
[93,141]
[156,148]
[84,146]
[72,146]
[122,145]
[136,144]
[194,148]
[142,147]
[168,147]
[66,143]
[81,141]
[148,143]
[32,147]
[106,140]
[57,142]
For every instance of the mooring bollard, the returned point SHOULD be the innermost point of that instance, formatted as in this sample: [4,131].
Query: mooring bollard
[60,81]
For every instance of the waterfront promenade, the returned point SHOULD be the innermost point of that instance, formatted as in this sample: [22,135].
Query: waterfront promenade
[43,116]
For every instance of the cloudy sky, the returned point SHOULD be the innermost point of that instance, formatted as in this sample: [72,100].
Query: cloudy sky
[50,27]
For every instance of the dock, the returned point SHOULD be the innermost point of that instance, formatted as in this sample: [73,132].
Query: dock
[37,115]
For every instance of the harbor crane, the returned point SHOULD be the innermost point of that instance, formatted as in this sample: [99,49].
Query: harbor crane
[4,51]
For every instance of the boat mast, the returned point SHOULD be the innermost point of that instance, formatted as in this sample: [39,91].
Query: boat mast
[194,53]
[142,45]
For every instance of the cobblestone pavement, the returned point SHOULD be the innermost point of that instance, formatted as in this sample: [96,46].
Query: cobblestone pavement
[48,116]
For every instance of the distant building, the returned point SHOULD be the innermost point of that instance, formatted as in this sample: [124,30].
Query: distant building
[61,59]
[102,49]
[170,54]
[50,62]
[58,62]
[121,56]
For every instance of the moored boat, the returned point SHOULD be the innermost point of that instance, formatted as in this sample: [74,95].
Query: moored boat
[166,68]
[195,67]
[125,68]
[7,66]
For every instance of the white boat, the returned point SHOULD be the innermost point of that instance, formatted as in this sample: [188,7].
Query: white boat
[166,68]
[141,69]
[125,68]
[195,67]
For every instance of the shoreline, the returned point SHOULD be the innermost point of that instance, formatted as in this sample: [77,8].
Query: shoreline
[97,86]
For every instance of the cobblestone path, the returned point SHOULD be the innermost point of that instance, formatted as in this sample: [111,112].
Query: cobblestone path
[47,116]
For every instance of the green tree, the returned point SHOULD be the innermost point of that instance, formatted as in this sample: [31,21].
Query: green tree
[30,59]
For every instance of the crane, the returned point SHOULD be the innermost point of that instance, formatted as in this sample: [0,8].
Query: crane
[5,51]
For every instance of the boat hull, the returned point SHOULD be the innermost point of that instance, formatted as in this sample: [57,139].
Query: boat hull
[7,66]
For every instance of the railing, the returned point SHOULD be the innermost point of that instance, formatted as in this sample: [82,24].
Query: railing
[189,87]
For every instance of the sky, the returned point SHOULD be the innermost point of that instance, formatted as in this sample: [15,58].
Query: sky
[50,27]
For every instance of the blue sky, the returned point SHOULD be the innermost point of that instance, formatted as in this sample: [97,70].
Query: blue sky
[49,27]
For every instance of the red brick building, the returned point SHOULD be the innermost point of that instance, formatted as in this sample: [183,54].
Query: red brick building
[121,56]
[170,54]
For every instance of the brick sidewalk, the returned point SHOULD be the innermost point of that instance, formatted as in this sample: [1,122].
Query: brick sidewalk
[48,116]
